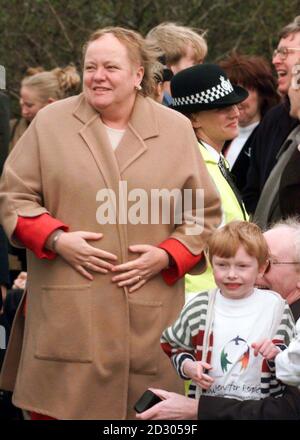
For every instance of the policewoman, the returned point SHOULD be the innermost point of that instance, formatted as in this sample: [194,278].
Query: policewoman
[205,95]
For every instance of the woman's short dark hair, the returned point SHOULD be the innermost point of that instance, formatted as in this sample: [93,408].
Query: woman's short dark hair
[253,72]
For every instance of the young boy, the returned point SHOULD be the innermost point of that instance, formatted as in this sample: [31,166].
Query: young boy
[218,334]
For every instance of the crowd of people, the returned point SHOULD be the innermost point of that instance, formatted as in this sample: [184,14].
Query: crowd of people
[158,210]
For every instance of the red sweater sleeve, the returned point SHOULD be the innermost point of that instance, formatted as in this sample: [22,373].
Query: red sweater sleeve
[33,232]
[183,258]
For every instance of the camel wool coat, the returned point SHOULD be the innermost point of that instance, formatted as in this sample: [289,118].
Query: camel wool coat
[88,350]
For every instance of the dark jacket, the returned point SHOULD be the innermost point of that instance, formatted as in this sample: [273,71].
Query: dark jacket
[265,144]
[286,407]
[241,165]
[4,141]
[289,188]
[280,195]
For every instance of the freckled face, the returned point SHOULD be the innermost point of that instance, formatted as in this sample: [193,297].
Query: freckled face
[235,276]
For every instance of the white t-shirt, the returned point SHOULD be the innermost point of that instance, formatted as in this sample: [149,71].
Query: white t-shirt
[237,324]
[114,135]
[237,144]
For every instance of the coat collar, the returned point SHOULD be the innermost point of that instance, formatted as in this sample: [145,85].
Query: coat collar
[143,121]
[143,125]
[293,138]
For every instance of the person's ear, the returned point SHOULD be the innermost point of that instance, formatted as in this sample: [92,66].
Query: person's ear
[139,75]
[195,120]
[262,269]
[50,100]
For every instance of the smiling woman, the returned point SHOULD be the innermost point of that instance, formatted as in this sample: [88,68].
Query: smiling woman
[99,295]
[109,79]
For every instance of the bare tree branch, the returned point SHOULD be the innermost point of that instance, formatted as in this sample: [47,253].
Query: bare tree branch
[61,25]
[42,49]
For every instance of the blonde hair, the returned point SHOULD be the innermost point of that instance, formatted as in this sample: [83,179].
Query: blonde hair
[57,84]
[173,40]
[225,241]
[139,52]
[30,71]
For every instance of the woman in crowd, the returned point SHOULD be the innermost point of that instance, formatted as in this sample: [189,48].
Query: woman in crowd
[206,96]
[102,281]
[254,74]
[40,88]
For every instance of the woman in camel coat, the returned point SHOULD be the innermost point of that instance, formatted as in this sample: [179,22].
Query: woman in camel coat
[97,295]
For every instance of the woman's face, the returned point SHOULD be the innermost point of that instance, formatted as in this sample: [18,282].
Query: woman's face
[30,102]
[249,109]
[217,126]
[109,76]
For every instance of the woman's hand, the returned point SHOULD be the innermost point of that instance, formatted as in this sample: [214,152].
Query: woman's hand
[75,249]
[197,372]
[173,407]
[137,272]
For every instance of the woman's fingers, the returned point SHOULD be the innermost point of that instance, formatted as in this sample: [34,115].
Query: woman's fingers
[133,278]
[134,281]
[90,267]
[104,254]
[137,286]
[88,235]
[124,276]
[99,263]
[124,267]
[84,272]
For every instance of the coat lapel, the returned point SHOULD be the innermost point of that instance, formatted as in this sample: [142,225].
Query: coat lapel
[94,135]
[143,125]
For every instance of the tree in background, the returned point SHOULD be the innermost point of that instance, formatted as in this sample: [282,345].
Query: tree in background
[51,32]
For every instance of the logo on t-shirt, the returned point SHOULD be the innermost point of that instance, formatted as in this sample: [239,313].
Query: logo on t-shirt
[235,351]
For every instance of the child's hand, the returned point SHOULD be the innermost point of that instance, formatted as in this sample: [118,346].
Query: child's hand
[266,348]
[196,371]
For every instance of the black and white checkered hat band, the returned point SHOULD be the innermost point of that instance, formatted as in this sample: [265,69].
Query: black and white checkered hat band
[205,97]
